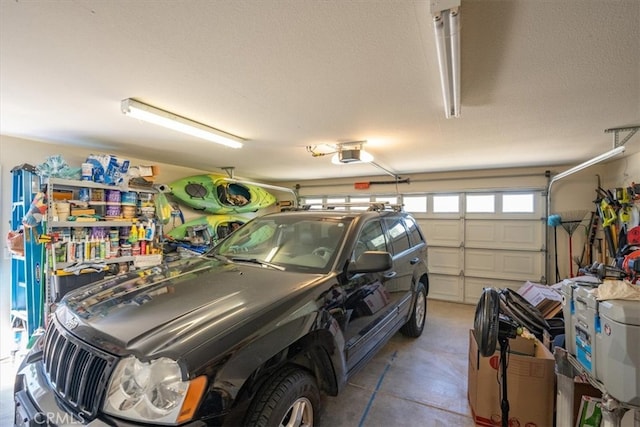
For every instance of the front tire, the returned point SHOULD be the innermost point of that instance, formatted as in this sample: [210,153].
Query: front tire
[415,325]
[289,399]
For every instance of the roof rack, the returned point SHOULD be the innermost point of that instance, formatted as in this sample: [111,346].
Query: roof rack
[371,206]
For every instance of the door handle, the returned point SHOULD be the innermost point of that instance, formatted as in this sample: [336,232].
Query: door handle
[414,261]
[390,274]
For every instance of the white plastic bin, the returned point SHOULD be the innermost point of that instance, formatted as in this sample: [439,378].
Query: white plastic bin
[618,347]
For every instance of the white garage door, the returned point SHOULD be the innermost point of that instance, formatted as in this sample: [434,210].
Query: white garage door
[483,239]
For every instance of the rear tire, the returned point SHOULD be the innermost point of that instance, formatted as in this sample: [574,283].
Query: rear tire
[289,399]
[415,325]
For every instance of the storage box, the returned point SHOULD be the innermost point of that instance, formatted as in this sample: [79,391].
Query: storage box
[590,414]
[69,282]
[530,385]
[76,211]
[547,300]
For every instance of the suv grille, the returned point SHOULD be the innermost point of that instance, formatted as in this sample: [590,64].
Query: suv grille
[78,373]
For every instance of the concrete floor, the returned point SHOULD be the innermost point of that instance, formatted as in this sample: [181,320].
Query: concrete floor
[412,381]
[409,382]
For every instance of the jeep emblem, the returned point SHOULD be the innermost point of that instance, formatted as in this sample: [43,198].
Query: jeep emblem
[71,323]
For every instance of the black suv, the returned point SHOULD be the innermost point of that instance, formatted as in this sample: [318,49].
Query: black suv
[290,304]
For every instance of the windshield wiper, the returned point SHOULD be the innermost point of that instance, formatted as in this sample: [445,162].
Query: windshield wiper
[259,262]
[217,256]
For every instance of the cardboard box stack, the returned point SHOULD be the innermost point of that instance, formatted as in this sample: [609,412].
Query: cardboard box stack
[530,384]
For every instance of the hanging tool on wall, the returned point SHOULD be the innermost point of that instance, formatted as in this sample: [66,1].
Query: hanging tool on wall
[607,212]
[608,216]
[586,258]
[570,221]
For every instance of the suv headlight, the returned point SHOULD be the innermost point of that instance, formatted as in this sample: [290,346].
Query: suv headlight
[152,392]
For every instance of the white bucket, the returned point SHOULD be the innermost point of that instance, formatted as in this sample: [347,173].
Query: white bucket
[63,209]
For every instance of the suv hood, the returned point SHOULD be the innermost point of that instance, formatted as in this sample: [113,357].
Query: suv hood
[177,306]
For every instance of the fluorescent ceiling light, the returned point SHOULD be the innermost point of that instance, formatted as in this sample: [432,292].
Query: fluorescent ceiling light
[136,109]
[446,24]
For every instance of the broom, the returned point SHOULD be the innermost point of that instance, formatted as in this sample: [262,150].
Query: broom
[554,221]
[570,221]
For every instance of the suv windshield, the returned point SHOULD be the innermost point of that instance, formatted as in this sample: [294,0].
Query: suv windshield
[291,242]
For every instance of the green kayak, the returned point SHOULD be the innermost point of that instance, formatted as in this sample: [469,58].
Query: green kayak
[219,226]
[220,195]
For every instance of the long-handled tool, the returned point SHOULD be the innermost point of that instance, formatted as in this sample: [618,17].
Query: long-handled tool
[608,216]
[570,222]
[586,258]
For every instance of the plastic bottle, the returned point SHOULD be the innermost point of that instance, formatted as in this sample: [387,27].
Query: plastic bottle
[87,249]
[151,231]
[133,234]
[103,249]
[141,232]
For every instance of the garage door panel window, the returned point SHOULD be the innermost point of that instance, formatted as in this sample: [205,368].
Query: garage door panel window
[415,204]
[481,203]
[446,204]
[337,203]
[359,203]
[313,203]
[518,203]
[392,200]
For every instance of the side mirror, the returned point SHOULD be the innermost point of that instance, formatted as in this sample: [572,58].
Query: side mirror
[371,262]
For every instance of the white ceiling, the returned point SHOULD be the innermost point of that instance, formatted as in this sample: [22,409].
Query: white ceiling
[541,81]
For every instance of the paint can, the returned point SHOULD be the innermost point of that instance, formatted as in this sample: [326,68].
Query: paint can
[113,196]
[129,198]
[125,249]
[97,195]
[83,195]
[128,212]
[113,210]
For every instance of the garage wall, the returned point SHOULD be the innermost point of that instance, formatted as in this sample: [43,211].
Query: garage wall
[623,172]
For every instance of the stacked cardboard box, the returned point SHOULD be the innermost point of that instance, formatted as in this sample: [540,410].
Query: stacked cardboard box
[530,384]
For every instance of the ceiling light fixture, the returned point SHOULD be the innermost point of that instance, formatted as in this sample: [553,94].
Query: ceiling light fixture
[446,23]
[138,110]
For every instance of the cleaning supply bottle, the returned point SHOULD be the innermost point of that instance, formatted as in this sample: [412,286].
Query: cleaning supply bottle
[133,234]
[151,231]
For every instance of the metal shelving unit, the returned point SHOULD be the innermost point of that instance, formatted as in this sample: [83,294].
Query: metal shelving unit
[56,268]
